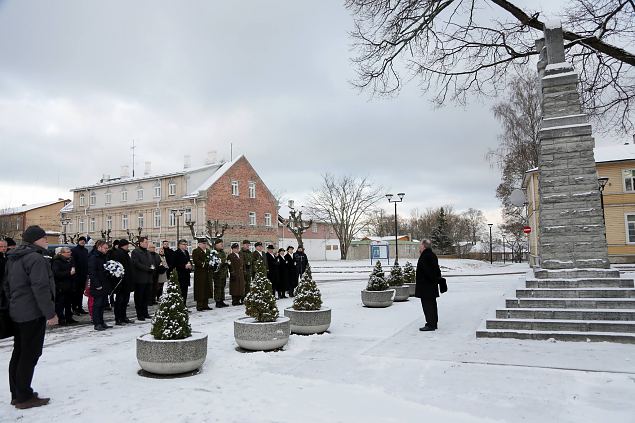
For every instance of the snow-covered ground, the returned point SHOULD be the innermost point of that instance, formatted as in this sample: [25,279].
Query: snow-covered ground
[373,366]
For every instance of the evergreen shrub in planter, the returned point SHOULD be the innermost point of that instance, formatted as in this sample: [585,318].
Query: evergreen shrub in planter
[377,292]
[307,314]
[410,278]
[396,282]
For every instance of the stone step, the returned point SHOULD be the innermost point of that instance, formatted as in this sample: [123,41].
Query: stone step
[581,283]
[565,314]
[561,325]
[626,338]
[576,293]
[588,303]
[576,273]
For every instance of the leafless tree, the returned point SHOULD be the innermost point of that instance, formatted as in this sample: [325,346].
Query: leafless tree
[457,47]
[214,230]
[474,221]
[345,202]
[297,225]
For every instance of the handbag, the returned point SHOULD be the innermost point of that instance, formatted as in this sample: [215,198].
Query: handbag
[443,286]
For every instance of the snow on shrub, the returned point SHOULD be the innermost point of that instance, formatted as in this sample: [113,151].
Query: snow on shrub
[377,281]
[171,320]
[409,273]
[396,276]
[259,302]
[307,294]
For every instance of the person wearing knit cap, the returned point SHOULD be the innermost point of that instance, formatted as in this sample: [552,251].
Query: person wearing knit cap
[31,291]
[11,244]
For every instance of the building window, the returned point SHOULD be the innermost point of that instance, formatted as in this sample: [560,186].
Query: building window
[91,224]
[157,218]
[157,190]
[82,200]
[171,219]
[139,193]
[629,180]
[172,188]
[252,218]
[108,222]
[81,225]
[268,219]
[93,198]
[140,220]
[108,197]
[235,188]
[124,195]
[124,222]
[314,228]
[252,189]
[69,227]
[188,215]
[630,228]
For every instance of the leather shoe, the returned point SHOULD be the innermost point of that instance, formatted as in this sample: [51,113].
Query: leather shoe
[119,322]
[99,327]
[15,401]
[34,401]
[126,320]
[142,319]
[427,329]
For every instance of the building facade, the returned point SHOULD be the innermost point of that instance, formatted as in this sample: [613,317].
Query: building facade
[163,206]
[617,163]
[13,221]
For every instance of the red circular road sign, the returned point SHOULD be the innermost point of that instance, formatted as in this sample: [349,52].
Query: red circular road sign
[527,229]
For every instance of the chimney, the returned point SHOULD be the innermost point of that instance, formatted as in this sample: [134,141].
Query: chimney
[211,157]
[186,161]
[124,171]
[148,169]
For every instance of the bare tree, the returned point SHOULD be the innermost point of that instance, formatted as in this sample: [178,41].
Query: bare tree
[213,230]
[474,221]
[345,203]
[297,225]
[456,47]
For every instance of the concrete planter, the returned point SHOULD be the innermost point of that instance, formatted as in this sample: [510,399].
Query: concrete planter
[170,357]
[261,336]
[378,298]
[411,288]
[308,322]
[401,292]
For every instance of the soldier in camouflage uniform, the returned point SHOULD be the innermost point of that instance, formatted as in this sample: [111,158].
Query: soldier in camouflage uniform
[220,276]
[247,258]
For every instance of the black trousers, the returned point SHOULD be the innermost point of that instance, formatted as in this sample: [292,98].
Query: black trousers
[122,299]
[141,296]
[63,306]
[28,341]
[430,311]
[99,304]
[185,286]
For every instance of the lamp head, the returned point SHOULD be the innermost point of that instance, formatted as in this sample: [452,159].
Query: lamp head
[389,196]
[401,195]
[603,181]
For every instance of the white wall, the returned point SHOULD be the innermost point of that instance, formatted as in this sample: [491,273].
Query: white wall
[315,249]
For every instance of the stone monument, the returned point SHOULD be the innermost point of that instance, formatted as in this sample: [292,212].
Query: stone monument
[572,231]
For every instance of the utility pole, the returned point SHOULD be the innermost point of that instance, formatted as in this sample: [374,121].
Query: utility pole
[133,154]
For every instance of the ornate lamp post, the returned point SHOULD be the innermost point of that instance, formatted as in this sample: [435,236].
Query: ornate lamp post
[602,181]
[491,256]
[390,200]
[178,213]
[65,221]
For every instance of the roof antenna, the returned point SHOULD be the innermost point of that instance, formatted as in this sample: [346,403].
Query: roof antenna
[133,149]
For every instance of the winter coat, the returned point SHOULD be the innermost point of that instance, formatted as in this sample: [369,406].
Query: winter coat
[164,275]
[428,274]
[3,261]
[236,275]
[272,269]
[181,258]
[220,275]
[99,277]
[80,257]
[61,267]
[290,272]
[202,289]
[127,283]
[301,262]
[158,269]
[30,286]
[247,258]
[169,258]
[141,262]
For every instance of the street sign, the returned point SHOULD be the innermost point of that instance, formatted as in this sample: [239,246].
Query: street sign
[527,229]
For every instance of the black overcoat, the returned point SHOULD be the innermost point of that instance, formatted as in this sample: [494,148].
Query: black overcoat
[428,274]
[290,272]
[180,259]
[62,273]
[99,277]
[127,283]
[272,269]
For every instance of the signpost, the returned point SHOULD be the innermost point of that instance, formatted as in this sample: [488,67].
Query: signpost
[527,229]
[379,251]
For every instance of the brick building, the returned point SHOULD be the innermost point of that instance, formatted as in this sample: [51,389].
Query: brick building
[13,221]
[231,193]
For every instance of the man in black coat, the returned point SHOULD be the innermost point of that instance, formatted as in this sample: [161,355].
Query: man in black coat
[169,255]
[126,286]
[100,283]
[301,262]
[143,270]
[272,268]
[181,262]
[80,258]
[63,271]
[427,288]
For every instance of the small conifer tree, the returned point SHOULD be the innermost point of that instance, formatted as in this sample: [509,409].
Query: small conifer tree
[409,273]
[377,282]
[396,276]
[260,303]
[307,294]
[171,320]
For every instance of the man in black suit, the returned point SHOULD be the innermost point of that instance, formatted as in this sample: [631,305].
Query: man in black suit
[181,262]
[427,288]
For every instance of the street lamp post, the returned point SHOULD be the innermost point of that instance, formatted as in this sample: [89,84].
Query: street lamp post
[178,213]
[65,221]
[602,181]
[390,200]
[504,250]
[491,257]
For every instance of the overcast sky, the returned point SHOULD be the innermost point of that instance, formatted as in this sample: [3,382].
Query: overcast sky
[79,80]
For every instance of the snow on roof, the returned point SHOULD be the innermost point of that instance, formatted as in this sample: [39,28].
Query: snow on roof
[614,153]
[214,177]
[27,207]
[67,208]
[119,181]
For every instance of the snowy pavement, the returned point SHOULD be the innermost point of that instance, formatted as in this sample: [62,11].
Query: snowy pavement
[373,366]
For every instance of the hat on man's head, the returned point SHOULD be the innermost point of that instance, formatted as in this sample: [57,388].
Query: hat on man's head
[270,247]
[258,244]
[115,243]
[10,241]
[235,245]
[217,241]
[81,238]
[246,241]
[202,240]
[33,233]
[123,243]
